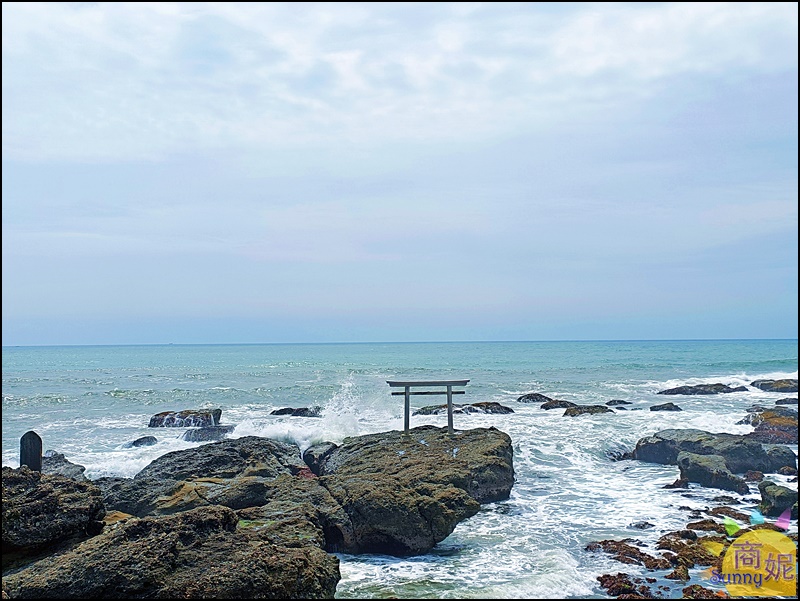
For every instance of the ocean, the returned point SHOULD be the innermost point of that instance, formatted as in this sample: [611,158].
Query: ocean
[88,401]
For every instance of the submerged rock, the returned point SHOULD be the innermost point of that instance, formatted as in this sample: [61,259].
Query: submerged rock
[786,401]
[704,389]
[586,409]
[144,441]
[785,385]
[533,397]
[186,418]
[617,402]
[666,407]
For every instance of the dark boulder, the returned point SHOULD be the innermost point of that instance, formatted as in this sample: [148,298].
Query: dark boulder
[533,397]
[710,471]
[617,402]
[665,407]
[405,493]
[397,517]
[786,401]
[144,441]
[298,411]
[56,464]
[586,409]
[785,385]
[704,389]
[203,553]
[40,509]
[781,455]
[207,434]
[776,499]
[556,404]
[199,418]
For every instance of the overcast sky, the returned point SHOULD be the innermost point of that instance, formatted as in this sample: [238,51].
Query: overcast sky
[196,173]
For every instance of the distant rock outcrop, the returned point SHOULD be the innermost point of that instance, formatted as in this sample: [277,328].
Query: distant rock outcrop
[704,389]
[298,411]
[481,407]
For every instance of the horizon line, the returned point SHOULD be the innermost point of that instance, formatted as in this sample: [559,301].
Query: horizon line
[393,342]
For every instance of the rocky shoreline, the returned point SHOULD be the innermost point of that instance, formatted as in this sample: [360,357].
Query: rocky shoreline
[244,518]
[253,518]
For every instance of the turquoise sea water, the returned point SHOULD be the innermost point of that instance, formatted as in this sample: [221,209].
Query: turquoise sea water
[88,401]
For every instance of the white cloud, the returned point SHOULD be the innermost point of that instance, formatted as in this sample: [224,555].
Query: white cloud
[114,81]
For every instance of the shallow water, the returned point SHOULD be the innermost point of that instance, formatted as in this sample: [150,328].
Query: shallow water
[88,401]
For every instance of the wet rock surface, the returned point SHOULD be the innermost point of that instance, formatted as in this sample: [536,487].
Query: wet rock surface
[40,509]
[740,452]
[170,557]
